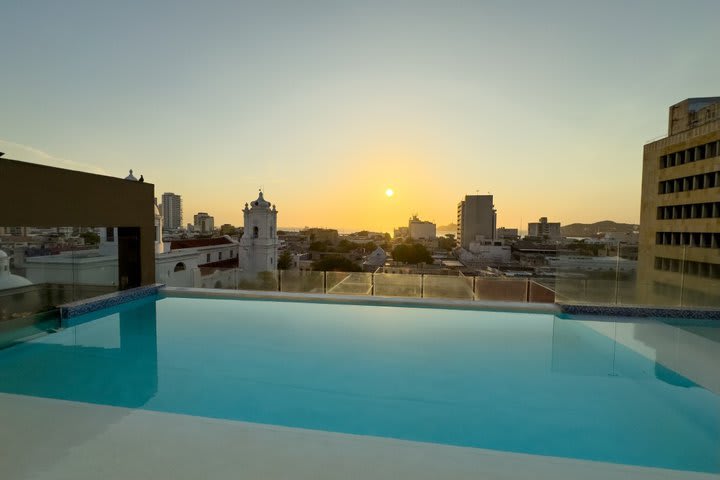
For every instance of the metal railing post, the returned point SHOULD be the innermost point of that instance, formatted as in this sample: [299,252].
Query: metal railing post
[617,273]
[527,291]
[682,275]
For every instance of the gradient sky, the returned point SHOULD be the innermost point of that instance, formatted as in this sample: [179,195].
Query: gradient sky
[326,104]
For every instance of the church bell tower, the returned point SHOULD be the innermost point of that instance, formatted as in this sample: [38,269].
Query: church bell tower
[259,243]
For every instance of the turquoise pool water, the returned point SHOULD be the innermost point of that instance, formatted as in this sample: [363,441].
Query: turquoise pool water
[531,383]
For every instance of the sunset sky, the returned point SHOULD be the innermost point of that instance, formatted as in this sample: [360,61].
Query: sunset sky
[327,104]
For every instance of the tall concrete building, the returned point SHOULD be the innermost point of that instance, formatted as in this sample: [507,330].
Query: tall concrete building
[203,222]
[679,249]
[171,211]
[476,216]
[544,229]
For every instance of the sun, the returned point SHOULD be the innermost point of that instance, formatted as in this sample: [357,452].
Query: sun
[389,192]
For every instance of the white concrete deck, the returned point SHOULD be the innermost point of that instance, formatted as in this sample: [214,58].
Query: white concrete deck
[54,439]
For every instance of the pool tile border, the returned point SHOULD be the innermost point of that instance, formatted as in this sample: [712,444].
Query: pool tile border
[640,312]
[88,305]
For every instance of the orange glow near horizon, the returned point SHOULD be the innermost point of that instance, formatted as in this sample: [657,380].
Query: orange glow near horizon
[344,194]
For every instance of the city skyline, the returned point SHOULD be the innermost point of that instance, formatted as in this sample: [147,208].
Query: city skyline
[328,107]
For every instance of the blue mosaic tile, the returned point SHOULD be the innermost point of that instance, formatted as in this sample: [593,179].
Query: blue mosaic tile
[93,304]
[645,312]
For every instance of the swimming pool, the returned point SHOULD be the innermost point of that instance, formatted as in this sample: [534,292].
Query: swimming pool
[528,383]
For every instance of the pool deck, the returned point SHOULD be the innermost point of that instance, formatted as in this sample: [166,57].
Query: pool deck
[56,439]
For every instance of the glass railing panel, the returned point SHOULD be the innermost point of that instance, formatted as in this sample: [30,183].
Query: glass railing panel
[599,290]
[21,302]
[662,292]
[569,288]
[397,284]
[302,281]
[18,329]
[596,273]
[83,258]
[42,268]
[687,276]
[349,283]
[704,293]
[540,292]
[503,290]
[446,286]
[266,281]
[214,277]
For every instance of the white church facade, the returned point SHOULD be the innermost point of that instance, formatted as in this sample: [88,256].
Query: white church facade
[209,263]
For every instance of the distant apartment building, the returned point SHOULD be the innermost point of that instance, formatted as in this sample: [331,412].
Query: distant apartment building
[172,211]
[476,217]
[203,223]
[504,233]
[418,229]
[15,231]
[679,249]
[329,235]
[401,232]
[544,229]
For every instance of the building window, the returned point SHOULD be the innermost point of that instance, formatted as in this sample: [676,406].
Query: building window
[688,239]
[219,255]
[701,152]
[110,234]
[256,232]
[700,181]
[688,211]
[179,267]
[207,258]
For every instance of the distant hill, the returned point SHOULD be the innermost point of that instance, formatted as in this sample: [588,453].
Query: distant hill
[451,227]
[590,229]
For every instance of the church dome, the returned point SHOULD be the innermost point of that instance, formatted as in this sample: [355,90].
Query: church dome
[260,202]
[7,279]
[131,177]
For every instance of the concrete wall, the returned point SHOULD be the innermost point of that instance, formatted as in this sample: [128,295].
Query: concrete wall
[42,196]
